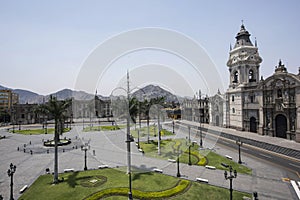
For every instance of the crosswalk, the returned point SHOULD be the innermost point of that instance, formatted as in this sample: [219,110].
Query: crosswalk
[296,187]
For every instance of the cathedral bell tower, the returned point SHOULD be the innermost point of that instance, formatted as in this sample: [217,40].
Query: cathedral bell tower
[243,64]
[244,61]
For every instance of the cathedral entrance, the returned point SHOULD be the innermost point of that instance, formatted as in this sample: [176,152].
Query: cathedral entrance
[217,120]
[280,126]
[253,126]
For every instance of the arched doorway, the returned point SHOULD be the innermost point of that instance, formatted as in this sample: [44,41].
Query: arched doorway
[217,120]
[280,126]
[253,126]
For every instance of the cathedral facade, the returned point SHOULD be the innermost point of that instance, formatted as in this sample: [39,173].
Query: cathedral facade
[268,106]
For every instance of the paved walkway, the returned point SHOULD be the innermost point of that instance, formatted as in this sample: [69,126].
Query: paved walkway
[110,149]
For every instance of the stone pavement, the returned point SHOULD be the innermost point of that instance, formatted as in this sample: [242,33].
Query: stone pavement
[110,149]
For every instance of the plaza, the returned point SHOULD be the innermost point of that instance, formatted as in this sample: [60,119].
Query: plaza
[109,148]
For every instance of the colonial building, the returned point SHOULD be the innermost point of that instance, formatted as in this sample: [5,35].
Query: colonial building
[267,107]
[94,108]
[280,104]
[217,110]
[195,109]
[24,114]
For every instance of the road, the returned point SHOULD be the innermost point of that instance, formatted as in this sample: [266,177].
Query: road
[290,165]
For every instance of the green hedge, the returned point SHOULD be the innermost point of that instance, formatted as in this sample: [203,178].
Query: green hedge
[181,186]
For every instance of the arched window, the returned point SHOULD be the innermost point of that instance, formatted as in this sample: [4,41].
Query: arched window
[279,93]
[251,76]
[235,77]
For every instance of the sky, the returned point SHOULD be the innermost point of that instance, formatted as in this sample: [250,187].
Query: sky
[46,46]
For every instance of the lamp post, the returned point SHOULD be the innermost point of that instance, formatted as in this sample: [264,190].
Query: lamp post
[200,115]
[13,128]
[99,125]
[85,148]
[231,176]
[138,138]
[178,172]
[71,121]
[200,130]
[20,125]
[10,172]
[189,143]
[128,141]
[173,122]
[158,127]
[239,143]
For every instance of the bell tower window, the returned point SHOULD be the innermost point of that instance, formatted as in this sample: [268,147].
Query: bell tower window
[279,93]
[251,76]
[235,77]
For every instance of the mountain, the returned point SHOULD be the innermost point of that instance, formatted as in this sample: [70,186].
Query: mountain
[148,92]
[68,94]
[26,96]
[153,91]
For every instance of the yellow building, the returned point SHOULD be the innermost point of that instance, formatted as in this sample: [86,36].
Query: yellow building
[7,99]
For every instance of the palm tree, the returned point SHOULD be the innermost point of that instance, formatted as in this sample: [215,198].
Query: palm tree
[57,110]
[133,108]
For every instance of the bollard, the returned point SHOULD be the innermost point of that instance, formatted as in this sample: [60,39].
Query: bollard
[47,150]
[30,142]
[31,152]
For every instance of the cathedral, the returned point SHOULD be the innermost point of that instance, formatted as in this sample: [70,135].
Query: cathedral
[251,103]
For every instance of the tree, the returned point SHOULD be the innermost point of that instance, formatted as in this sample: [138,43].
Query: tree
[133,108]
[57,110]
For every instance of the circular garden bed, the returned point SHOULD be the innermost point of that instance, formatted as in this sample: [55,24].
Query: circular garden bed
[61,142]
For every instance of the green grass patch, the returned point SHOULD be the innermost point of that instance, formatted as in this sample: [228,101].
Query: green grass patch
[169,149]
[215,159]
[152,132]
[145,185]
[103,128]
[38,131]
[204,191]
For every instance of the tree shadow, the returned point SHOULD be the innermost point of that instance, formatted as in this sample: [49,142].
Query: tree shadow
[72,179]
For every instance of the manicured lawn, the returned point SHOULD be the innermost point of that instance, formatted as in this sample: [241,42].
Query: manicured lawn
[79,185]
[198,157]
[215,160]
[152,132]
[38,131]
[103,128]
[208,192]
